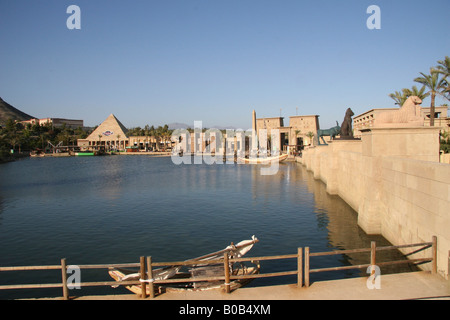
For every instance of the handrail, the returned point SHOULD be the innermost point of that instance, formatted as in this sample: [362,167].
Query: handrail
[372,250]
[146,266]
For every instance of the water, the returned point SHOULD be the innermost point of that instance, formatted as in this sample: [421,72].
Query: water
[114,209]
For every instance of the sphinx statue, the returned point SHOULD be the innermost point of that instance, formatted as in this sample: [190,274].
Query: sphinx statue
[409,115]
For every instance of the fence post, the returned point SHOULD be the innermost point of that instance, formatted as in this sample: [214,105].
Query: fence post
[227,272]
[448,267]
[64,279]
[143,277]
[434,256]
[307,267]
[373,253]
[150,277]
[300,267]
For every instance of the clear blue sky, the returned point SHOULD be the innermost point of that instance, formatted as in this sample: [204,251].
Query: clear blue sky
[157,62]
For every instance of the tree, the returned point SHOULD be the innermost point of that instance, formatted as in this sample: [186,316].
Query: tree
[401,97]
[435,85]
[310,135]
[416,92]
[444,69]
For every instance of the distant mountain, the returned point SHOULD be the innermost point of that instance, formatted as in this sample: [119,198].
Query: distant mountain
[176,125]
[224,127]
[7,111]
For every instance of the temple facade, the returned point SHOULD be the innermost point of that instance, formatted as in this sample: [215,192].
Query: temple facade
[294,137]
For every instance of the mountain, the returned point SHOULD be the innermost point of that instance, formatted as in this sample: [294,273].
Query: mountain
[7,111]
[177,125]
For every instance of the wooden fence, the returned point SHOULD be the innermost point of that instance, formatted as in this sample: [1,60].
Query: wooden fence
[146,267]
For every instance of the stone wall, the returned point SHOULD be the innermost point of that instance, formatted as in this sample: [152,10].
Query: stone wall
[399,190]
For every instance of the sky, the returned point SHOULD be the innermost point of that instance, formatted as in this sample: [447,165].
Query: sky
[160,62]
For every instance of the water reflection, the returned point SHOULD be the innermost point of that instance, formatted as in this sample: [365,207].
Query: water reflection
[1,210]
[341,222]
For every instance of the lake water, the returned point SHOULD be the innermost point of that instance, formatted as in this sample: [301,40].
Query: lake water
[114,209]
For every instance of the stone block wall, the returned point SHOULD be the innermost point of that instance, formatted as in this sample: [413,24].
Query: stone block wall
[400,191]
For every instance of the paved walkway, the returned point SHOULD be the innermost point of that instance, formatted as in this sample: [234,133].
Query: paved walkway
[413,285]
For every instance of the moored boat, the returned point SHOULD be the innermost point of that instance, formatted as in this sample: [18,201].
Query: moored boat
[37,153]
[84,153]
[200,270]
[263,160]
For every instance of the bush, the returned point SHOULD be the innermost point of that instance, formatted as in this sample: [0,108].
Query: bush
[445,145]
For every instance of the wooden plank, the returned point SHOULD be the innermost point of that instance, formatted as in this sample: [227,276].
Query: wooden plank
[335,252]
[359,266]
[434,255]
[199,279]
[265,275]
[286,256]
[143,277]
[31,286]
[186,263]
[30,268]
[300,267]
[307,271]
[405,246]
[226,266]
[107,283]
[64,279]
[106,266]
[150,276]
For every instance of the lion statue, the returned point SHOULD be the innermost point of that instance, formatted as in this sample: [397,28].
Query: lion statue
[409,115]
[346,127]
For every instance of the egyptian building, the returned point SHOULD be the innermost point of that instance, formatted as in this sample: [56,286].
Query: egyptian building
[111,134]
[367,119]
[296,135]
[55,122]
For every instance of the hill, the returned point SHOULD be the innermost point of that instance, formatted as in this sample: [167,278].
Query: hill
[7,111]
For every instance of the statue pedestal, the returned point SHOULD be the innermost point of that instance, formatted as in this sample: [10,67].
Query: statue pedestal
[419,143]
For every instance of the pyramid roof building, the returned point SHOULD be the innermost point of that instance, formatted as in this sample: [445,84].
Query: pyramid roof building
[109,130]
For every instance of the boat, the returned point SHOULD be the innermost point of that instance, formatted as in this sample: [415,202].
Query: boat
[37,153]
[199,270]
[237,269]
[84,153]
[263,160]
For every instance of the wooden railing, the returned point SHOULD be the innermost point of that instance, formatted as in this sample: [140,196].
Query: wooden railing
[373,249]
[146,267]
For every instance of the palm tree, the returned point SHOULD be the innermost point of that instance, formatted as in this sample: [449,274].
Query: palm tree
[399,97]
[118,142]
[444,69]
[418,93]
[435,85]
[158,136]
[310,135]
